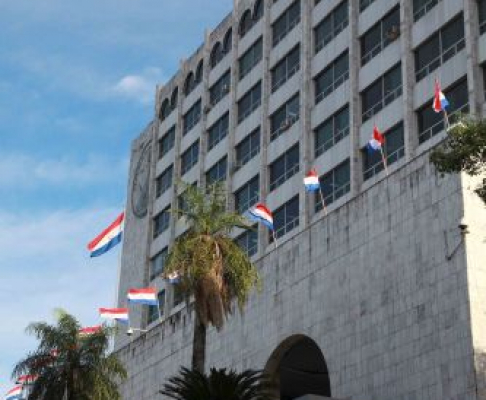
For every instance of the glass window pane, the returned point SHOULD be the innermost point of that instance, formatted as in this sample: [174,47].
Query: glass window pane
[427,52]
[452,33]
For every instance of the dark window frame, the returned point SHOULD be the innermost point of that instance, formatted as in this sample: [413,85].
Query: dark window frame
[286,21]
[290,222]
[166,142]
[220,88]
[337,134]
[254,97]
[284,117]
[252,57]
[336,27]
[218,171]
[164,181]
[337,81]
[190,157]
[161,222]
[333,191]
[253,140]
[218,131]
[192,117]
[290,161]
[247,195]
[288,69]
[248,241]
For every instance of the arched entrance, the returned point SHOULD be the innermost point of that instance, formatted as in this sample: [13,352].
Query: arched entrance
[297,367]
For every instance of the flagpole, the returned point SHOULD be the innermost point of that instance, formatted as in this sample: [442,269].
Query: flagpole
[158,307]
[446,118]
[384,160]
[274,238]
[322,200]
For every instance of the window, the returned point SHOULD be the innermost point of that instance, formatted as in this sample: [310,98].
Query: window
[216,54]
[192,116]
[217,172]
[284,24]
[482,16]
[393,150]
[248,148]
[334,185]
[250,58]
[189,84]
[156,312]
[258,10]
[380,36]
[248,241]
[363,4]
[178,295]
[284,117]
[286,218]
[218,131]
[250,102]
[199,73]
[247,195]
[227,41]
[161,222]
[166,142]
[331,26]
[190,157]
[220,89]
[164,110]
[382,92]
[431,123]
[284,167]
[173,98]
[164,181]
[245,23]
[157,263]
[421,7]
[439,48]
[286,68]
[331,131]
[332,77]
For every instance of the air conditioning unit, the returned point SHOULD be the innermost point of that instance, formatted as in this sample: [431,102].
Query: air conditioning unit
[286,124]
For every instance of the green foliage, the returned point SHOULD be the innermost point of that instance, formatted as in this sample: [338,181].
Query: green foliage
[464,150]
[212,267]
[65,361]
[220,384]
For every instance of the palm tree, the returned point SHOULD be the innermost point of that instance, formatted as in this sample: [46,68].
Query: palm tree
[211,266]
[69,365]
[218,385]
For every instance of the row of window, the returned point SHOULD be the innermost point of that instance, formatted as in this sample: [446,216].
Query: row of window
[436,50]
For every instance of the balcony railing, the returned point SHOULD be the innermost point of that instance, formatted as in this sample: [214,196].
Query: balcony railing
[247,157]
[286,228]
[424,9]
[332,87]
[338,191]
[326,39]
[390,159]
[286,125]
[439,60]
[387,99]
[286,77]
[286,175]
[336,137]
[439,126]
[250,109]
[291,25]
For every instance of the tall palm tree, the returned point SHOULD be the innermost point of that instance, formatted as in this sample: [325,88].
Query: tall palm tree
[211,266]
[70,366]
[219,384]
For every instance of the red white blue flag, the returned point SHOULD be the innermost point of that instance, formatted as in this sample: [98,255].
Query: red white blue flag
[89,330]
[26,379]
[14,394]
[377,140]
[261,213]
[107,239]
[311,181]
[117,314]
[440,101]
[143,296]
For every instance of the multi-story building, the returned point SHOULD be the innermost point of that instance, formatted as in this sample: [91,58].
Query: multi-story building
[378,296]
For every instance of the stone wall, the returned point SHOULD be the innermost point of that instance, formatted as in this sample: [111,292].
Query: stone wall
[380,284]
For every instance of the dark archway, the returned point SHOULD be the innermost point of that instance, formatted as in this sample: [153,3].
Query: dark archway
[297,367]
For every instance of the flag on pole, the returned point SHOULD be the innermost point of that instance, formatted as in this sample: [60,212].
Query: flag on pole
[440,101]
[376,142]
[143,296]
[107,239]
[311,181]
[89,330]
[261,213]
[26,379]
[174,277]
[14,394]
[117,314]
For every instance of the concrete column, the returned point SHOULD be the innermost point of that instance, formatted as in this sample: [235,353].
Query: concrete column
[306,103]
[264,125]
[474,77]
[408,79]
[354,100]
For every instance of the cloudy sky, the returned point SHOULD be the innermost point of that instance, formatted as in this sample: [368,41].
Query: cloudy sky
[77,81]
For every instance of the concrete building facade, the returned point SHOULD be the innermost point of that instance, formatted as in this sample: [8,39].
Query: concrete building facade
[380,294]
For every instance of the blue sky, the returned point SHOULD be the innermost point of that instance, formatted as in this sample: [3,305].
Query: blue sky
[77,82]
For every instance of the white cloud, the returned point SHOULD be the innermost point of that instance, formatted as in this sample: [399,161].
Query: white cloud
[139,87]
[25,171]
[44,265]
